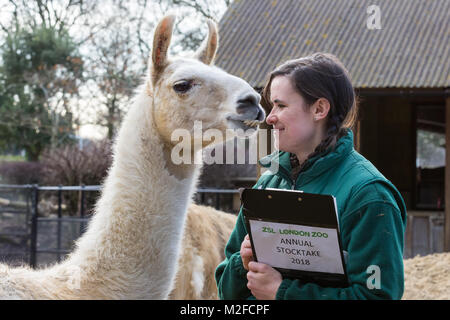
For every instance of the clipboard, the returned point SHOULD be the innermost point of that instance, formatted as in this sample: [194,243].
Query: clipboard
[296,233]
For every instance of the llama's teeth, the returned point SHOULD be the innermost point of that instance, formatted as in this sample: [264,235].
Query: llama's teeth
[251,123]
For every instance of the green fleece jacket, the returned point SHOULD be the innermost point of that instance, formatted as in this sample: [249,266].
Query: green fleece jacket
[372,220]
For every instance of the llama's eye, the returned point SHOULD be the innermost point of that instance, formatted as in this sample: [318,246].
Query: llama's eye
[182,86]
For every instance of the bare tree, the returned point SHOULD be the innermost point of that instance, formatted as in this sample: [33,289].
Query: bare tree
[119,51]
[116,59]
[113,40]
[61,15]
[115,69]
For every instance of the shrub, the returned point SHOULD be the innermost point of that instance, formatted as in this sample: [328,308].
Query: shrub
[20,172]
[70,166]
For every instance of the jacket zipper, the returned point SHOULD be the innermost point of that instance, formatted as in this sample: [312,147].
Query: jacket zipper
[291,180]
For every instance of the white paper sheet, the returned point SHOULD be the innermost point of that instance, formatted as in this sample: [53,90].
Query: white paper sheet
[297,247]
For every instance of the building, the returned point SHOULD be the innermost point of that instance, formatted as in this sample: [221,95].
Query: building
[397,53]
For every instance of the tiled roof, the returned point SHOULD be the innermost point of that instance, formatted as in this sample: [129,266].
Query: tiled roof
[410,50]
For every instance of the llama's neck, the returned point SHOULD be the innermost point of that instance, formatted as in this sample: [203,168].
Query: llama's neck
[133,239]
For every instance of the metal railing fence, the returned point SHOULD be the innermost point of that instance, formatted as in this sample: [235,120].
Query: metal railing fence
[28,206]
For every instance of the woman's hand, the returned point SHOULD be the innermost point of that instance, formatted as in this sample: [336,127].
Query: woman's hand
[246,252]
[263,280]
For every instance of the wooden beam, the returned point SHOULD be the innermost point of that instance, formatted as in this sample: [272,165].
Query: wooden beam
[357,136]
[447,177]
[267,107]
[269,150]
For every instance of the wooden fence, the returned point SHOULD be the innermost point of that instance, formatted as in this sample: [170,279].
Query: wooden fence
[424,233]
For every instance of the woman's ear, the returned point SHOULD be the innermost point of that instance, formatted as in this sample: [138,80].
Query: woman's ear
[320,109]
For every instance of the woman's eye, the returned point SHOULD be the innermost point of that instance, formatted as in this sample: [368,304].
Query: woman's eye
[182,86]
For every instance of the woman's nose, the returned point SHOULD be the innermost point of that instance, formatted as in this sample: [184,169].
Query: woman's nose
[271,118]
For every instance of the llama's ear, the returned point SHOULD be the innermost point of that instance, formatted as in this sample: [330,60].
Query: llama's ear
[207,51]
[161,41]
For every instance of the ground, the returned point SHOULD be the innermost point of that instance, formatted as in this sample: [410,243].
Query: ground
[428,277]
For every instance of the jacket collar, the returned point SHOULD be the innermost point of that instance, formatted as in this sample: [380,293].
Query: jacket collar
[314,166]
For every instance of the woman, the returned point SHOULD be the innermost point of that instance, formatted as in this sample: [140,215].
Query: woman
[313,108]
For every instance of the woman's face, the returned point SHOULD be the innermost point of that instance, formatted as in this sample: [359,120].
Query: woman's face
[291,116]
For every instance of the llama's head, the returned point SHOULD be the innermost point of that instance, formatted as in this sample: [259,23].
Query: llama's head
[186,90]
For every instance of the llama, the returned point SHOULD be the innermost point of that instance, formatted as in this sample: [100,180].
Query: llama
[207,231]
[131,247]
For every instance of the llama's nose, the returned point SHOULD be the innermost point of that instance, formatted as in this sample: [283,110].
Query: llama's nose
[261,114]
[249,106]
[251,99]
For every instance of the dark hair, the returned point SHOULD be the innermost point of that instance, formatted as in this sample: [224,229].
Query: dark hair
[321,75]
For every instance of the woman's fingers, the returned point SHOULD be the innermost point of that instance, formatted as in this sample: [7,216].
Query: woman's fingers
[246,252]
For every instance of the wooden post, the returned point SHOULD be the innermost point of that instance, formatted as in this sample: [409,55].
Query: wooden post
[269,150]
[447,176]
[267,107]
[357,136]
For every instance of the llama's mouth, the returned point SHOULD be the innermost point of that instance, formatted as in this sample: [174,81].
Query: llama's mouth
[243,124]
[248,115]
